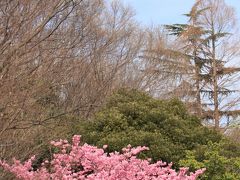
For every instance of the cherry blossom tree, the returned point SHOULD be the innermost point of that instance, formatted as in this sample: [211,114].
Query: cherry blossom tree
[75,161]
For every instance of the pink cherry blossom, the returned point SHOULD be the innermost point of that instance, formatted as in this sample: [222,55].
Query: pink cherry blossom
[92,163]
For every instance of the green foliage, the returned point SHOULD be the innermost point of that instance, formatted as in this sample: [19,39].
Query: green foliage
[132,117]
[221,164]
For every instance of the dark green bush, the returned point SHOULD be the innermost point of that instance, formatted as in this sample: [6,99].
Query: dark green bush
[133,117]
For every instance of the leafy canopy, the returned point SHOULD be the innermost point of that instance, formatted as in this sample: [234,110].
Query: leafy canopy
[133,117]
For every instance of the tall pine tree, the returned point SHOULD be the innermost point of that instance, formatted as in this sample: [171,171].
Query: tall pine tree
[208,45]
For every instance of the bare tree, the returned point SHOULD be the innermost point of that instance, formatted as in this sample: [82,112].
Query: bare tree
[60,60]
[162,67]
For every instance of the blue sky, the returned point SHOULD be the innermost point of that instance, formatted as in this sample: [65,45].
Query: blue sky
[167,11]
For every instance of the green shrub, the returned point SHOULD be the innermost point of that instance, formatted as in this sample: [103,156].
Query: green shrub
[221,163]
[133,117]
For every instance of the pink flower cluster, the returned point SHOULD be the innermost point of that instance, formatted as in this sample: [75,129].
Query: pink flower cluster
[75,162]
